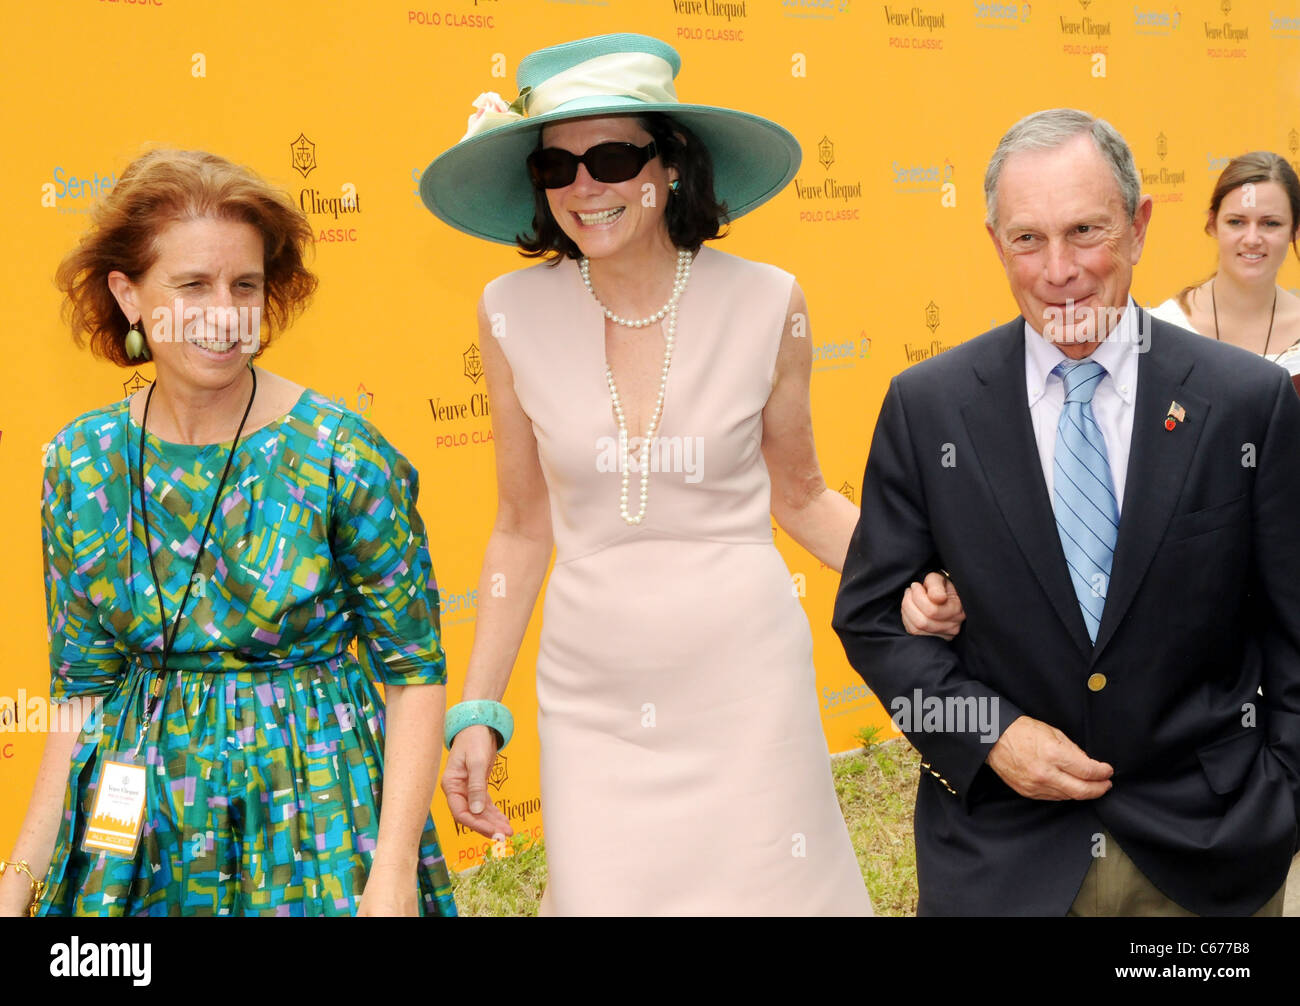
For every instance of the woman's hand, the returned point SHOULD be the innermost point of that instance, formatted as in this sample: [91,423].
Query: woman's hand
[464,781]
[933,609]
[518,552]
[390,891]
[15,895]
[45,811]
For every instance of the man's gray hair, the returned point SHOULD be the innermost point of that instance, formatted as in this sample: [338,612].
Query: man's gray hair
[1052,128]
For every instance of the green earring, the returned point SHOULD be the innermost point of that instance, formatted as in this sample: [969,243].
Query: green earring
[674,185]
[134,343]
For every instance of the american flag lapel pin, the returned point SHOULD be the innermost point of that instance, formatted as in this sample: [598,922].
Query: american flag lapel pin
[1175,415]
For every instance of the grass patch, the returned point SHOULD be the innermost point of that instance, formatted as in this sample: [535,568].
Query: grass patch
[876,790]
[504,885]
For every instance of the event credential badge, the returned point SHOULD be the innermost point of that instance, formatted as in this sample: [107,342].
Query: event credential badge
[116,821]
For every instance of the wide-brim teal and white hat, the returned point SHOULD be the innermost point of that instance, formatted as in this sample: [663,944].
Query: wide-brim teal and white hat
[481,185]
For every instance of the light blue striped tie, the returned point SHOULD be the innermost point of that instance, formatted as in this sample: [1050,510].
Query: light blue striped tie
[1083,495]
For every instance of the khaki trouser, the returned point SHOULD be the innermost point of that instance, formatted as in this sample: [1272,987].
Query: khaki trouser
[1115,886]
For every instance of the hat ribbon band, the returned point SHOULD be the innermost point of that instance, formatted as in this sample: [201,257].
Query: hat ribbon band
[636,75]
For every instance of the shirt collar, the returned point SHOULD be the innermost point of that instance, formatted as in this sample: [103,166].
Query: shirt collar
[1118,355]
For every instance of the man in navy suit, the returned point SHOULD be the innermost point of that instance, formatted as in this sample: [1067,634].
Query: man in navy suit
[1116,730]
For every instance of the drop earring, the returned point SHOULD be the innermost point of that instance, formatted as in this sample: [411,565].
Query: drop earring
[134,343]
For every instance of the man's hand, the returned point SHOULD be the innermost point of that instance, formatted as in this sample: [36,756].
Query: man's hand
[1040,762]
[933,609]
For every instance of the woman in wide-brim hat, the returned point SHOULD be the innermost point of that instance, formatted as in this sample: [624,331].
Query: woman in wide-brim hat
[650,408]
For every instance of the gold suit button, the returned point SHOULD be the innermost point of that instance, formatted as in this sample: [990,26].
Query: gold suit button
[1096,682]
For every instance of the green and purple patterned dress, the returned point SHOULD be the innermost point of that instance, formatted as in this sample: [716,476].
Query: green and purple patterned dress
[265,754]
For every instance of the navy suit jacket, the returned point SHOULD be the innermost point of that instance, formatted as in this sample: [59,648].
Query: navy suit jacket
[1199,642]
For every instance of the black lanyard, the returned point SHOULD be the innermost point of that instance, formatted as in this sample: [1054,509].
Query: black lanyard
[168,639]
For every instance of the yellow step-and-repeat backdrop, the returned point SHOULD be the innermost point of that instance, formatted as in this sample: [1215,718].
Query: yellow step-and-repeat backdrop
[897,106]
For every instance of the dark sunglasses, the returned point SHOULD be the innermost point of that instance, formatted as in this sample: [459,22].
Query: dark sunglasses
[553,168]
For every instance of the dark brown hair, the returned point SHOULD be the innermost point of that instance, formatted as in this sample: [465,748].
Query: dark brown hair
[693,213]
[154,191]
[1253,168]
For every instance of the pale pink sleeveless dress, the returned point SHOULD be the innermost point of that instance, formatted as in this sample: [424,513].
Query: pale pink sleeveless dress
[683,765]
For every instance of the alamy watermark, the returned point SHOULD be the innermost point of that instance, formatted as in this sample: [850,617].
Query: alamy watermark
[1071,324]
[37,714]
[948,714]
[218,327]
[666,454]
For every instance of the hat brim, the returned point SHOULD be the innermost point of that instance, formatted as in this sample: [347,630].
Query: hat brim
[481,185]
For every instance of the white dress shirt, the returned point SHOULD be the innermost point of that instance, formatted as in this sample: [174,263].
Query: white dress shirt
[1112,403]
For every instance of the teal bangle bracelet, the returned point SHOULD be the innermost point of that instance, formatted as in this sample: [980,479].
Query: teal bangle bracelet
[479,712]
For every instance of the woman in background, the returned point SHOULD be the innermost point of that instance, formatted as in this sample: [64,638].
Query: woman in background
[1254,215]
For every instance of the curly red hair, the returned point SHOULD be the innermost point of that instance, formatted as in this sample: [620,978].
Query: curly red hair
[156,190]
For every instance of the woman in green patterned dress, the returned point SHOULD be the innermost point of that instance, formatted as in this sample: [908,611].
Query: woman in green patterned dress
[213,546]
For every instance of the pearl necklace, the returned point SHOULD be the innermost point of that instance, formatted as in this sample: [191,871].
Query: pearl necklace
[668,313]
[679,284]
